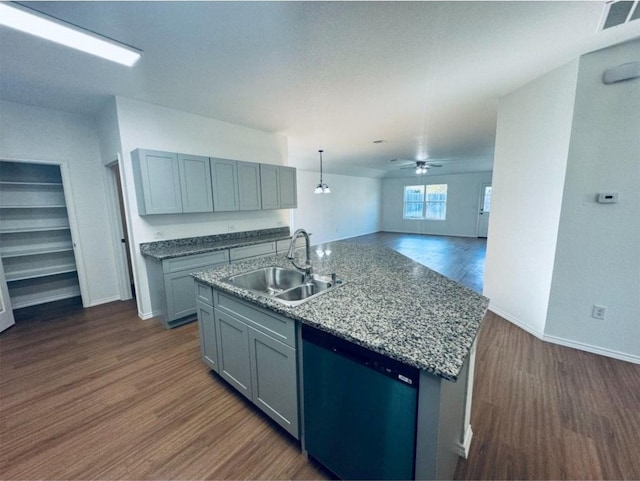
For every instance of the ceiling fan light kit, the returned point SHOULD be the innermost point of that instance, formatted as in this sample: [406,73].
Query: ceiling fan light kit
[421,168]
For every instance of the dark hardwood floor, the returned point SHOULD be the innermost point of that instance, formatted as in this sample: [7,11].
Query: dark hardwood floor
[98,393]
[459,258]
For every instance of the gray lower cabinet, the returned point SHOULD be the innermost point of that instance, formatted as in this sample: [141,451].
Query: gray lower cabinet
[273,366]
[257,250]
[208,337]
[233,351]
[171,285]
[255,352]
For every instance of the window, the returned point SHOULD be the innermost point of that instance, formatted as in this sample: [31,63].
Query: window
[486,199]
[425,202]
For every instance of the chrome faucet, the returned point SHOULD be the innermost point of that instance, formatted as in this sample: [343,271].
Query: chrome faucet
[307,268]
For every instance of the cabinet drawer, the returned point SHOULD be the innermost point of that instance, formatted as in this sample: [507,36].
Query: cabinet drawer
[193,262]
[204,293]
[283,245]
[238,253]
[281,328]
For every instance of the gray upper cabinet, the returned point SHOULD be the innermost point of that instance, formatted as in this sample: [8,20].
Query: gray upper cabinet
[169,183]
[249,186]
[224,175]
[278,184]
[195,183]
[288,188]
[270,188]
[157,179]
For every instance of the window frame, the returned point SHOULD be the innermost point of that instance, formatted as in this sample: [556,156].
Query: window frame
[425,202]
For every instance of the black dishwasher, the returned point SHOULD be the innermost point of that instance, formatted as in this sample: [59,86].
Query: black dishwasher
[359,409]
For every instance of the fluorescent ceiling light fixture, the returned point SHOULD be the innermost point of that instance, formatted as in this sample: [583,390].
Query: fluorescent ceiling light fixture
[49,28]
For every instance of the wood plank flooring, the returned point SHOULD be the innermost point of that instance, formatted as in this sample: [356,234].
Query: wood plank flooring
[100,394]
[459,258]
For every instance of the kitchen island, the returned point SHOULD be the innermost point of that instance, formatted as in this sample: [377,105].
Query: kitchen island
[389,305]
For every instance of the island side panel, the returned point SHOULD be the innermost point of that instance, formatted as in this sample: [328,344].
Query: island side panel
[441,418]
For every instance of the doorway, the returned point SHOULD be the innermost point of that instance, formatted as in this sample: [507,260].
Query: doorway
[121,236]
[484,211]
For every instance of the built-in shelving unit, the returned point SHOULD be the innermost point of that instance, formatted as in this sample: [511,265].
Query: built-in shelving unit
[35,238]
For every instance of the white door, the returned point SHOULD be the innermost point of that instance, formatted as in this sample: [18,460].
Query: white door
[485,208]
[6,313]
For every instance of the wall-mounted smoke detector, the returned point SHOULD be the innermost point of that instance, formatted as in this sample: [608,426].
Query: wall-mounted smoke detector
[619,12]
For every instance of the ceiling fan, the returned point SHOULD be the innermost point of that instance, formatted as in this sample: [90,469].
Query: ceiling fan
[421,166]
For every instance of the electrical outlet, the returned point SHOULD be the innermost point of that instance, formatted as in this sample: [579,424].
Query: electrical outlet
[598,312]
[158,235]
[231,227]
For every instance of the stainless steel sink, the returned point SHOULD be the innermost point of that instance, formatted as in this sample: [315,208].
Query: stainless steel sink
[288,286]
[269,280]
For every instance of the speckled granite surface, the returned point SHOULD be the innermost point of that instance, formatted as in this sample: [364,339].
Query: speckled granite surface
[199,245]
[389,304]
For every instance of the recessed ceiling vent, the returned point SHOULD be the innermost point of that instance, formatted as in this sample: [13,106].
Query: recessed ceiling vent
[619,12]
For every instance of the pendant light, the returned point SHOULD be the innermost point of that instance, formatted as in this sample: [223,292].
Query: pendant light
[322,188]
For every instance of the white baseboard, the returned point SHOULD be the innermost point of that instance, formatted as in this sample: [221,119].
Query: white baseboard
[517,322]
[463,449]
[146,315]
[622,356]
[104,300]
[581,346]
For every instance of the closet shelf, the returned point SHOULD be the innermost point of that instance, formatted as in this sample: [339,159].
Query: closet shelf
[18,230]
[49,206]
[31,251]
[41,272]
[36,246]
[6,182]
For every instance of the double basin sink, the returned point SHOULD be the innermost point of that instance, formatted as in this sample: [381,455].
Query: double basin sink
[288,286]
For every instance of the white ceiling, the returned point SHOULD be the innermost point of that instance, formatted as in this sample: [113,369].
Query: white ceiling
[423,76]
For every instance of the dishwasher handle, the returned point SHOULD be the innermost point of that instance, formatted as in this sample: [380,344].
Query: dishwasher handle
[392,368]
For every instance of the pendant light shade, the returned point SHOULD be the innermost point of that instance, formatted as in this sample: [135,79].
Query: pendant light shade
[321,188]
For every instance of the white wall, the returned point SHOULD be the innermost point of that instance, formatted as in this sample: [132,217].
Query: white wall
[143,125]
[598,249]
[532,143]
[463,197]
[352,208]
[30,133]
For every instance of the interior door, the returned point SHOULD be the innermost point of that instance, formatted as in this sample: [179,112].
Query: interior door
[6,313]
[485,209]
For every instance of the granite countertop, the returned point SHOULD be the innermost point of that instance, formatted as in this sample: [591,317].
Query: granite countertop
[389,304]
[199,245]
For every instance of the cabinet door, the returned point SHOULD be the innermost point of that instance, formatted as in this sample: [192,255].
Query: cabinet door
[179,289]
[157,179]
[225,185]
[249,186]
[233,352]
[274,380]
[208,338]
[269,186]
[288,188]
[195,183]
